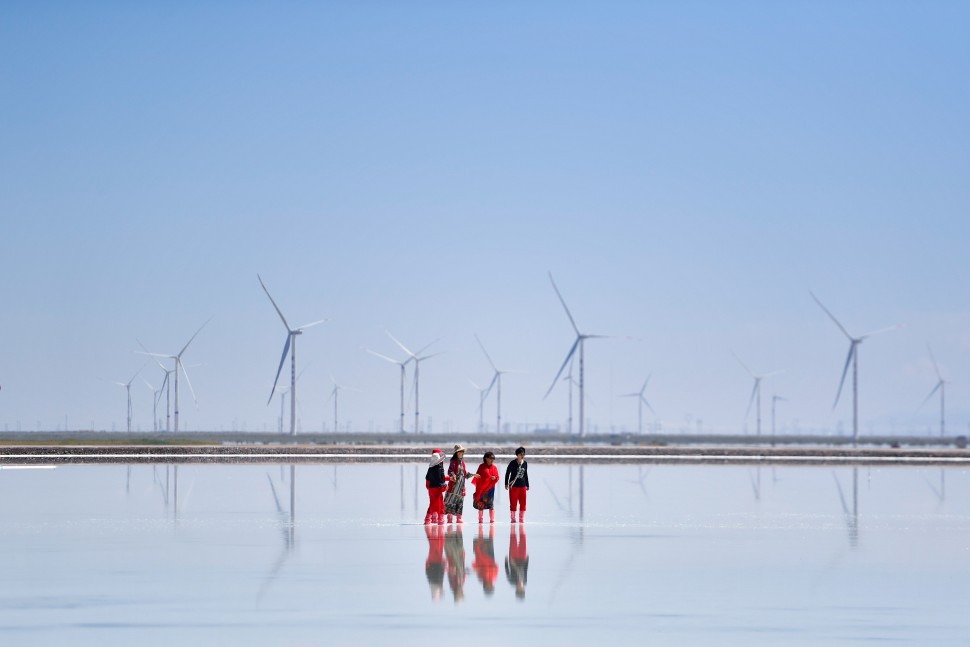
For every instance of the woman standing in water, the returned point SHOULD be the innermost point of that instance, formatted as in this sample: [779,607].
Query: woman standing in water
[457,473]
[486,478]
[517,483]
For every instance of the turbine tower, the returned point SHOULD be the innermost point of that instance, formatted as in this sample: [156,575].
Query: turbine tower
[641,400]
[177,358]
[333,396]
[497,383]
[774,400]
[941,387]
[852,358]
[481,404]
[755,392]
[166,386]
[402,365]
[579,343]
[288,347]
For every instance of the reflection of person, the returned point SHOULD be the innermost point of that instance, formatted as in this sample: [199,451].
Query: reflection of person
[517,563]
[434,566]
[455,552]
[434,480]
[484,564]
[457,473]
[517,483]
[486,477]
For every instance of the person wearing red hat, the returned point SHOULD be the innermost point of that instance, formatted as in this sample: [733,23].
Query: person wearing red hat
[435,481]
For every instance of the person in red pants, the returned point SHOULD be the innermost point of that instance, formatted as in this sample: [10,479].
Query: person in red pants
[485,566]
[517,483]
[435,481]
[517,563]
[486,478]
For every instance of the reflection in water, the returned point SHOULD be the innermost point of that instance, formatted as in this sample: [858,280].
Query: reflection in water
[455,552]
[287,523]
[851,517]
[517,563]
[434,565]
[484,565]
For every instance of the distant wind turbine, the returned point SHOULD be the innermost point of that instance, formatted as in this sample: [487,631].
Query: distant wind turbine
[333,396]
[481,404]
[641,400]
[166,386]
[288,347]
[775,399]
[579,343]
[127,386]
[852,358]
[402,365]
[755,391]
[177,358]
[497,383]
[155,396]
[941,387]
[417,358]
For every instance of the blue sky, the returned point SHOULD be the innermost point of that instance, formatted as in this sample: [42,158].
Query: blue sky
[687,172]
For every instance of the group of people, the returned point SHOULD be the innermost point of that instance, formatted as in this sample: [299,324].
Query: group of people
[446,556]
[446,490]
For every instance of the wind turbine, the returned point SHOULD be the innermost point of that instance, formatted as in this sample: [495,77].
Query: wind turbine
[641,400]
[333,396]
[288,347]
[166,386]
[481,404]
[402,365]
[774,400]
[127,386]
[178,364]
[941,387]
[155,396]
[852,358]
[417,358]
[579,343]
[497,383]
[755,393]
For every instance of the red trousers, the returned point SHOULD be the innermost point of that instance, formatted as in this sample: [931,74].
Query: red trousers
[517,498]
[436,500]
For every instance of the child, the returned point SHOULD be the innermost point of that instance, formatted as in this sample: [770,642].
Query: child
[485,480]
[434,480]
[517,483]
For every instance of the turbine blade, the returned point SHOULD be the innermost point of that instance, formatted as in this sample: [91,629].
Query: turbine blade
[563,367]
[482,346]
[935,389]
[644,400]
[189,382]
[193,337]
[880,331]
[645,383]
[936,366]
[848,360]
[563,302]
[315,323]
[152,355]
[490,385]
[286,349]
[754,392]
[831,316]
[743,365]
[384,357]
[273,302]
[403,347]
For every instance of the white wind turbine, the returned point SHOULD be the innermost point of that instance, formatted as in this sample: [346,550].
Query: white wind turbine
[579,343]
[334,394]
[641,400]
[177,358]
[774,400]
[481,405]
[497,383]
[755,391]
[166,386]
[288,347]
[941,387]
[852,358]
[155,396]
[402,365]
[127,386]
[417,358]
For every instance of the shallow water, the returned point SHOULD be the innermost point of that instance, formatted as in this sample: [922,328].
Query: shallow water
[667,555]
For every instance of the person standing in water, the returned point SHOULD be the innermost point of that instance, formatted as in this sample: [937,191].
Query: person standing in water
[434,480]
[517,483]
[486,478]
[457,473]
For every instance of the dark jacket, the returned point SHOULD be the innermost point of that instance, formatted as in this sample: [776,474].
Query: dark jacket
[512,471]
[435,476]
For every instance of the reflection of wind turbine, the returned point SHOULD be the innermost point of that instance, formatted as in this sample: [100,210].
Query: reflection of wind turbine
[417,358]
[290,347]
[497,383]
[852,358]
[641,400]
[127,386]
[179,365]
[755,392]
[579,343]
[851,517]
[941,387]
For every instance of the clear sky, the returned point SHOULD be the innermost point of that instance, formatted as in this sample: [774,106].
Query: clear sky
[687,171]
